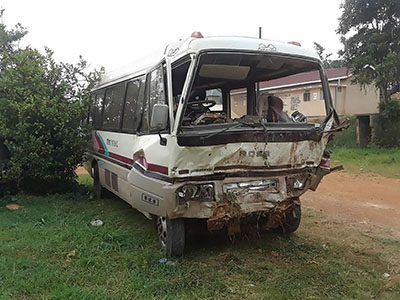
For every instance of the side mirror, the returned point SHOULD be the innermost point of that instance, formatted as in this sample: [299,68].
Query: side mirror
[159,117]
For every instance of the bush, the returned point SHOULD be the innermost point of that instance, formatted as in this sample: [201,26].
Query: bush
[346,138]
[42,105]
[388,132]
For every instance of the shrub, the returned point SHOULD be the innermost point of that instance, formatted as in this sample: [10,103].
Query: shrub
[42,105]
[388,131]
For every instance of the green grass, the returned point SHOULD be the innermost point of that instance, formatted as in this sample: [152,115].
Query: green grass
[385,162]
[48,250]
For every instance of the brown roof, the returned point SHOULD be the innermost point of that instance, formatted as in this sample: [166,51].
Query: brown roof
[299,79]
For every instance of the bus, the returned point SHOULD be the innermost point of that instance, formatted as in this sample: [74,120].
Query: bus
[194,134]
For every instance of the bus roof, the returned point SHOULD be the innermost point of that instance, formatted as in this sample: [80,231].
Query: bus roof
[182,48]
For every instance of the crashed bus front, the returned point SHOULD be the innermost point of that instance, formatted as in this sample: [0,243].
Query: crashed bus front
[215,130]
[248,159]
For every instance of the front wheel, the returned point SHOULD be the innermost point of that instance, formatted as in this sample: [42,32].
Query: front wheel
[291,220]
[171,233]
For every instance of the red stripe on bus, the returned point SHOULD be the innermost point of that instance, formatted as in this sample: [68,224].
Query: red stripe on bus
[157,168]
[150,167]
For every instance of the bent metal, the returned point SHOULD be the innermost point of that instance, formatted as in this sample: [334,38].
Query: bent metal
[175,141]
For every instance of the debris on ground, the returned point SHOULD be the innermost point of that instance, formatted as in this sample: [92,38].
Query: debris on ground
[97,222]
[13,206]
[70,255]
[386,275]
[167,262]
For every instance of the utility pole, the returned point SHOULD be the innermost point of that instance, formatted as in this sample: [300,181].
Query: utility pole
[258,84]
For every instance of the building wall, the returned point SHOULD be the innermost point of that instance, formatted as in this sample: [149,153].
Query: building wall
[360,101]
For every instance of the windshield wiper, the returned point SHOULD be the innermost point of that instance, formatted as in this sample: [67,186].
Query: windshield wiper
[240,123]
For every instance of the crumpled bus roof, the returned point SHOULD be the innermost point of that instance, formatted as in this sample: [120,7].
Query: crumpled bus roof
[181,48]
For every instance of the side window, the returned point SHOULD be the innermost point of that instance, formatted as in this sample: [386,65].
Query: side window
[238,103]
[113,106]
[96,109]
[215,95]
[133,105]
[156,94]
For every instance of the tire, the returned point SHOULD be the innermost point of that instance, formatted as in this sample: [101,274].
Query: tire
[171,233]
[291,220]
[99,190]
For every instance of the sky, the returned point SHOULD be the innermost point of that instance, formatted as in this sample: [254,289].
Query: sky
[113,33]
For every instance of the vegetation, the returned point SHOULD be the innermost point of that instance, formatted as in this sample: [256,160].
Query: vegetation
[42,104]
[49,250]
[388,131]
[370,33]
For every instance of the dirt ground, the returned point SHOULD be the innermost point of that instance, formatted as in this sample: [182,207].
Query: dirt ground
[366,199]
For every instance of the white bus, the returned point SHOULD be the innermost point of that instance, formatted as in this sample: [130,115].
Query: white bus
[172,140]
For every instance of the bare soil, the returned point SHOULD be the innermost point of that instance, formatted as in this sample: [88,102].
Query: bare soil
[367,199]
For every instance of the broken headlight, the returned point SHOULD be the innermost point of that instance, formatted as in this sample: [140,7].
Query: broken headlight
[196,192]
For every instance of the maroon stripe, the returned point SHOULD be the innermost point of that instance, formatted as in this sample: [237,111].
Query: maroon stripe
[151,167]
[121,158]
[157,168]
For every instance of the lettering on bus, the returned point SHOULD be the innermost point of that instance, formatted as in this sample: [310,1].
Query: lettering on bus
[112,143]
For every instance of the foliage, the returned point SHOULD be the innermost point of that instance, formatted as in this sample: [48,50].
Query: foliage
[388,131]
[346,138]
[325,58]
[42,105]
[370,33]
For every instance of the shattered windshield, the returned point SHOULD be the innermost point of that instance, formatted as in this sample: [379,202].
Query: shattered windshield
[253,87]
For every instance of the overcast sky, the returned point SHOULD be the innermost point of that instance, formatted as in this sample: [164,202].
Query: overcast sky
[111,33]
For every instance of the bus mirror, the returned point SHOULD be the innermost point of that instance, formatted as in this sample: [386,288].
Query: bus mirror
[159,117]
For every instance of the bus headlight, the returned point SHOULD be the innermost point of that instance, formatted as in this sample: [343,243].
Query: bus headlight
[196,192]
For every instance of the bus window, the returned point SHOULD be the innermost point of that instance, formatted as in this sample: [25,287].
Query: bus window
[97,108]
[133,109]
[156,95]
[113,106]
[238,103]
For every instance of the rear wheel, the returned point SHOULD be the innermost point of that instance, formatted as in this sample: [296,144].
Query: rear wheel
[171,233]
[99,191]
[291,219]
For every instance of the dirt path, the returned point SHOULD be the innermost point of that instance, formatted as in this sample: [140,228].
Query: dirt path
[365,199]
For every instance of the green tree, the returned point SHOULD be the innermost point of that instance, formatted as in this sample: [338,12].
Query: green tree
[370,33]
[42,105]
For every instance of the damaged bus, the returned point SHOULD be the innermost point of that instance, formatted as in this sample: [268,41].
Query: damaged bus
[191,136]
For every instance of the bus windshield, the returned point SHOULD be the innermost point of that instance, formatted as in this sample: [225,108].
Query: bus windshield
[268,88]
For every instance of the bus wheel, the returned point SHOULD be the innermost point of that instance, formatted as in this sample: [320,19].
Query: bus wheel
[291,220]
[99,191]
[171,233]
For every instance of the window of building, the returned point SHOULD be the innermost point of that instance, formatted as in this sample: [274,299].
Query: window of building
[306,95]
[133,105]
[113,106]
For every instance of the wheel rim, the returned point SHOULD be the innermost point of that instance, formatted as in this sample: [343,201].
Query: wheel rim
[162,231]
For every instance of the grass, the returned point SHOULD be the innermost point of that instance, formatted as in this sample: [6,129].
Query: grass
[385,162]
[49,250]
[373,159]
